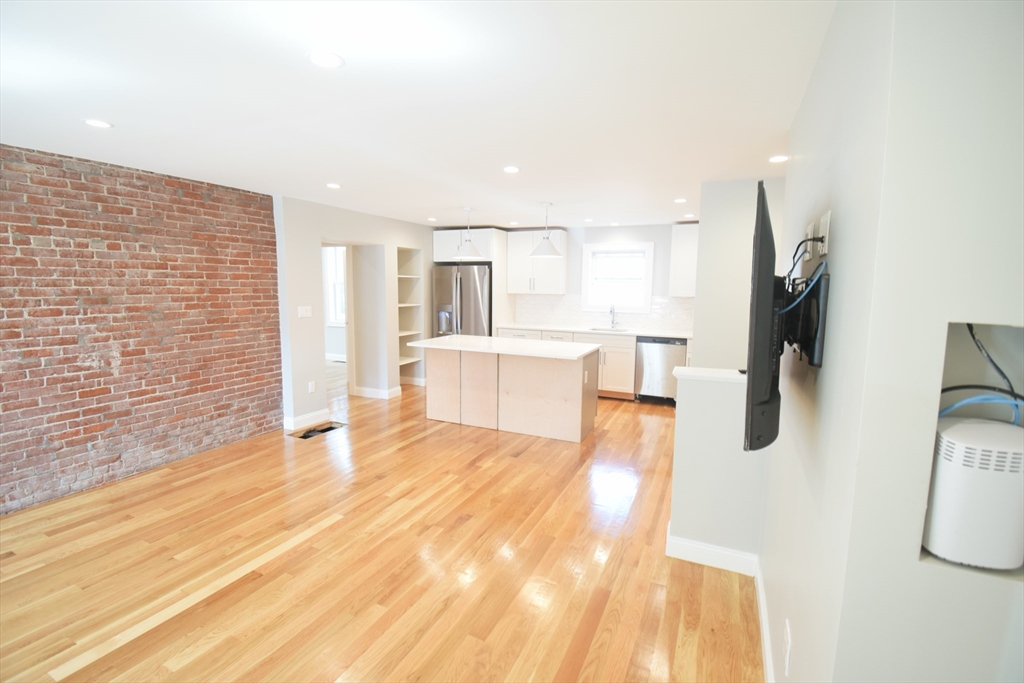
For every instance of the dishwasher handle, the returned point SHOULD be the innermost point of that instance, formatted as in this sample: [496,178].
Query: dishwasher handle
[661,340]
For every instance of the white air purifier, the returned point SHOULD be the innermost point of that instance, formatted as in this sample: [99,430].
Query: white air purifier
[976,505]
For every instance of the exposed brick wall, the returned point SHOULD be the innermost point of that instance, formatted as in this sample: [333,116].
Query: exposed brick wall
[138,322]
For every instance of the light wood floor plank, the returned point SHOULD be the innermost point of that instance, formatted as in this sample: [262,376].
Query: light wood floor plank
[395,548]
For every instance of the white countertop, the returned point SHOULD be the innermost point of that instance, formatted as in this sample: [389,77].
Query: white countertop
[709,375]
[624,332]
[514,347]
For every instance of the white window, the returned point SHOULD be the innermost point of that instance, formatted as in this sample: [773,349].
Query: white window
[618,274]
[334,285]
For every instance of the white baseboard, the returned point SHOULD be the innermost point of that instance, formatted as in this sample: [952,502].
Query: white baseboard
[367,392]
[731,560]
[762,616]
[711,555]
[337,356]
[307,420]
[415,381]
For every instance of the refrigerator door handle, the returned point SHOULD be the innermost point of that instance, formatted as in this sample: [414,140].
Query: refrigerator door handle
[458,303]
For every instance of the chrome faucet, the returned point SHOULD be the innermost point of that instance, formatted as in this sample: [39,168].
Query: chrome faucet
[612,311]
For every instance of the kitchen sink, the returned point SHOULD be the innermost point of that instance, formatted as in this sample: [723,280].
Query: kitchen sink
[609,329]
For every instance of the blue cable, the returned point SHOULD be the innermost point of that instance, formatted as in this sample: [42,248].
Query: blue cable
[814,280]
[986,398]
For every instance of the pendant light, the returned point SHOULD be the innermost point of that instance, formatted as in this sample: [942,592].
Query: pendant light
[467,250]
[546,248]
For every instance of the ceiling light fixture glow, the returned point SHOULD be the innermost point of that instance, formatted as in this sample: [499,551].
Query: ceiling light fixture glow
[688,215]
[511,169]
[96,123]
[546,248]
[588,220]
[681,200]
[513,223]
[778,158]
[615,225]
[431,219]
[334,186]
[326,59]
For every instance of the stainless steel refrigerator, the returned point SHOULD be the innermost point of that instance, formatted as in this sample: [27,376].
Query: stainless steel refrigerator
[462,300]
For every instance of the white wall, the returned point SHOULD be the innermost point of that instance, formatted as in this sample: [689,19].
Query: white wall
[722,305]
[302,229]
[667,313]
[837,150]
[951,248]
[927,215]
[335,341]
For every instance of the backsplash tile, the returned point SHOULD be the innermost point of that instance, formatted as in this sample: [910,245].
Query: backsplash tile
[668,313]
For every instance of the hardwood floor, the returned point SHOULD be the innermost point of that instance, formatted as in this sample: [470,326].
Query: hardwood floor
[393,549]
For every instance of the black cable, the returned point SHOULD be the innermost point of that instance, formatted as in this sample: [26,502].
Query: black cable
[795,264]
[983,387]
[984,352]
[803,242]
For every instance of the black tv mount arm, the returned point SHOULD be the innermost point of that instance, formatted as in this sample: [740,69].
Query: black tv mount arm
[803,325]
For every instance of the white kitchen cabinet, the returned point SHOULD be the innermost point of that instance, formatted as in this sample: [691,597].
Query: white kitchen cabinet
[519,334]
[618,370]
[446,243]
[557,336]
[682,279]
[529,275]
[616,364]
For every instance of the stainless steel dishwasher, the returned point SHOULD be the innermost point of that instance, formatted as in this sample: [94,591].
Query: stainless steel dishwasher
[655,358]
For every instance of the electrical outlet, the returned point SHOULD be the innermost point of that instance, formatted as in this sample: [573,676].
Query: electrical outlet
[312,387]
[789,648]
[823,233]
[586,375]
[305,311]
[809,234]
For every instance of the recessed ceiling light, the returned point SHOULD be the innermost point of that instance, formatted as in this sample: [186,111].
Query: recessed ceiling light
[778,158]
[588,220]
[681,200]
[513,223]
[334,186]
[688,215]
[326,59]
[615,225]
[431,219]
[511,169]
[96,123]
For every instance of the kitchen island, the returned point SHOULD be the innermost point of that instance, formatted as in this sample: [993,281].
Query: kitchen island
[527,386]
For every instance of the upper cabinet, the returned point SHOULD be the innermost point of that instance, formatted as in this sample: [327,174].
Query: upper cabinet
[682,280]
[529,275]
[446,243]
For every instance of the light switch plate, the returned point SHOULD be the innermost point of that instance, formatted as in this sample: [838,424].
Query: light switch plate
[312,387]
[823,232]
[305,311]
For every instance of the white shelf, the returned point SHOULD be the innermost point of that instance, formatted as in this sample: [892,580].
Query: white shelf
[405,360]
[408,333]
[407,305]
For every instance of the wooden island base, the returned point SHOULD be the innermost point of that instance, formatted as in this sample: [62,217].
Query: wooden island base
[501,387]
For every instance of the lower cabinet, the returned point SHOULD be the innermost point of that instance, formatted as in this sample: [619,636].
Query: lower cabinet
[618,371]
[617,362]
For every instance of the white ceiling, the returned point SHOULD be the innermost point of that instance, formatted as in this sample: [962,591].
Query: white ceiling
[611,110]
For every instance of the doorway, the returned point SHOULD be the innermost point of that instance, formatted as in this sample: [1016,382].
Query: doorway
[335,326]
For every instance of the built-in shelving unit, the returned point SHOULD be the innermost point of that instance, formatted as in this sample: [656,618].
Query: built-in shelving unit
[410,314]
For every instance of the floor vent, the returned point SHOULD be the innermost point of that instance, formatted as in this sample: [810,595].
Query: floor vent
[319,429]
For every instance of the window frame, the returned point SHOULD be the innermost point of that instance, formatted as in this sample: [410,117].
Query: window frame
[590,248]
